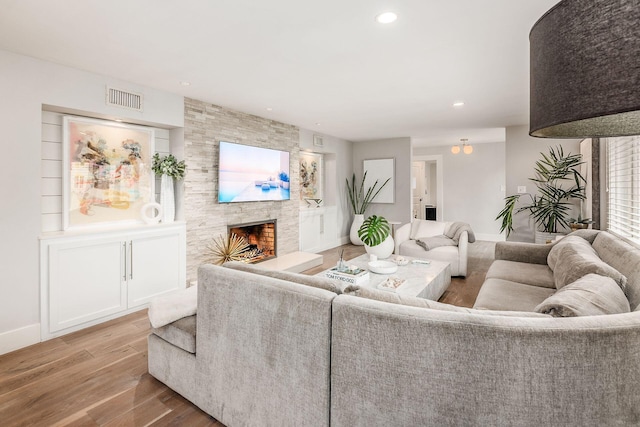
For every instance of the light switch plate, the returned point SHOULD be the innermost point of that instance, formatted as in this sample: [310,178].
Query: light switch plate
[522,189]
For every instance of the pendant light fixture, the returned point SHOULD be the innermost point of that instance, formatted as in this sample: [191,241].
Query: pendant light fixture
[466,148]
[585,70]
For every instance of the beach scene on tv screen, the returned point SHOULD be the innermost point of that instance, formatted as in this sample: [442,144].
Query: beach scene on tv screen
[249,174]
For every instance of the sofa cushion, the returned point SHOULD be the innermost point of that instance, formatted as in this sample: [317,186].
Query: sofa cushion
[181,333]
[302,279]
[522,272]
[424,228]
[557,247]
[500,294]
[394,298]
[577,260]
[590,295]
[623,257]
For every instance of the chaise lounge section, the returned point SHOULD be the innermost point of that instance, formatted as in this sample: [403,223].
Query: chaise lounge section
[262,348]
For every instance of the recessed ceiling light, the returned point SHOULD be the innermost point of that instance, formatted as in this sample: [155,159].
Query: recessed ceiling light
[386,17]
[185,83]
[318,124]
[458,104]
[269,109]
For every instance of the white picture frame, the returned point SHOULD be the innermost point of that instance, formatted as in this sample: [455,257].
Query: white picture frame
[107,176]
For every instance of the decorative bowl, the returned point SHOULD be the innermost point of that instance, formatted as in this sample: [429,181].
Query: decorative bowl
[383,267]
[391,284]
[401,260]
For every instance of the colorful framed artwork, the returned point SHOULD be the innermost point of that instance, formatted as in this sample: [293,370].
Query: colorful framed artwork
[107,176]
[310,175]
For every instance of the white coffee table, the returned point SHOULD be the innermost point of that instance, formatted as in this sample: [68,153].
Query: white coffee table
[427,281]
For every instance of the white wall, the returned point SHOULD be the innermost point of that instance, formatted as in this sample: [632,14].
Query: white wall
[400,150]
[338,162]
[472,186]
[26,85]
[522,152]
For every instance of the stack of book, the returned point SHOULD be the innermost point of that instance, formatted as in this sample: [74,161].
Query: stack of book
[356,276]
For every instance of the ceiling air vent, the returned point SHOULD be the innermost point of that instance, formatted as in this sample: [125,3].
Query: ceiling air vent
[124,99]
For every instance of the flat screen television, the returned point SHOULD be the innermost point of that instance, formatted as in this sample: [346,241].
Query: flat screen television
[249,174]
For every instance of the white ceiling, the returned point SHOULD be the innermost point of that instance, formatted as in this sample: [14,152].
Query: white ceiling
[321,65]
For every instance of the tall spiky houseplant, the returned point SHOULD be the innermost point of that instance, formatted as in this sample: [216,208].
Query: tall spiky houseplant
[559,183]
[360,200]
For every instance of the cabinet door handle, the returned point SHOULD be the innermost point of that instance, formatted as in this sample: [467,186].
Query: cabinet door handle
[131,259]
[124,248]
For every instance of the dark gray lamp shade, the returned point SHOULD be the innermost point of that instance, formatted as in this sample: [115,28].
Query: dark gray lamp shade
[585,70]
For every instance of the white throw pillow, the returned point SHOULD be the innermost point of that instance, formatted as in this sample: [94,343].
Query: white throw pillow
[424,228]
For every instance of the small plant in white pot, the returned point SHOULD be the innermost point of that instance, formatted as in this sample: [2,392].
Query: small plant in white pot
[168,168]
[375,233]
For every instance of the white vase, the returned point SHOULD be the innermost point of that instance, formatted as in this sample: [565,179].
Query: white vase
[167,199]
[358,219]
[383,250]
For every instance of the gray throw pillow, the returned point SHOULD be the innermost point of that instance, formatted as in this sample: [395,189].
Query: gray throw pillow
[302,279]
[554,253]
[577,260]
[590,295]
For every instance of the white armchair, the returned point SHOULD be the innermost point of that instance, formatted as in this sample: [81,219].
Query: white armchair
[405,241]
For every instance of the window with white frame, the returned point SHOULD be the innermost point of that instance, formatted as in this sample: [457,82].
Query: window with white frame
[623,187]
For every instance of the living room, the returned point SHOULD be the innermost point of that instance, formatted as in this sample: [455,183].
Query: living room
[37,89]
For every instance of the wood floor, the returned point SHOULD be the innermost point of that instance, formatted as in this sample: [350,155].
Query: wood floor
[98,376]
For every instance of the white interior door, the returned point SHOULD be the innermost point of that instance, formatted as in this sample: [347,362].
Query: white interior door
[417,179]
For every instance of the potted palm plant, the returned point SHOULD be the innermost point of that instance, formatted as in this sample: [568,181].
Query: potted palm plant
[375,233]
[360,200]
[559,184]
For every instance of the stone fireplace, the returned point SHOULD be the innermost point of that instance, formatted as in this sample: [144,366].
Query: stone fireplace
[261,237]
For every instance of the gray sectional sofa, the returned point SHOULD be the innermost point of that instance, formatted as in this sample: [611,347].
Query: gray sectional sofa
[269,351]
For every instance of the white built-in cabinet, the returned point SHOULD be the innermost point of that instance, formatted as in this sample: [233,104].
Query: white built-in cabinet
[318,228]
[90,278]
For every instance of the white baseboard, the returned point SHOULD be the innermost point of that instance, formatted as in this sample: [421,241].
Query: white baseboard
[490,237]
[19,338]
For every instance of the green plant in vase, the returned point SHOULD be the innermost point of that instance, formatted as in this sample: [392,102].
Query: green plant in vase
[168,168]
[360,200]
[559,183]
[375,233]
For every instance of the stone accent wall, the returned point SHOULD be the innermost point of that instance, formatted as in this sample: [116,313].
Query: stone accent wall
[205,125]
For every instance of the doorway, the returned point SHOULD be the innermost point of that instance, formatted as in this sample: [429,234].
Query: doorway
[426,185]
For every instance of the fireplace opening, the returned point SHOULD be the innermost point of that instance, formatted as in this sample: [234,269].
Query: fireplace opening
[261,237]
